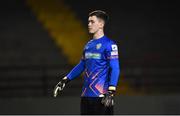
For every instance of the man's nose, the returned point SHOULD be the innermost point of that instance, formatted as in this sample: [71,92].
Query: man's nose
[89,24]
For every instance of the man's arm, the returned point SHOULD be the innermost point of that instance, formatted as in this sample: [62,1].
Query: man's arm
[76,71]
[112,57]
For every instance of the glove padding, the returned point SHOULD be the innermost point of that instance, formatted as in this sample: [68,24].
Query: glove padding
[60,86]
[108,99]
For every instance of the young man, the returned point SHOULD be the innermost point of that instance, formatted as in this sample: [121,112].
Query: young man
[100,65]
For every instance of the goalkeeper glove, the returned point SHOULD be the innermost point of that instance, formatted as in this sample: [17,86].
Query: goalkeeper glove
[60,86]
[108,99]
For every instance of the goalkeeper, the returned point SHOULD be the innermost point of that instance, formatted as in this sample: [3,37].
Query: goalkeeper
[100,64]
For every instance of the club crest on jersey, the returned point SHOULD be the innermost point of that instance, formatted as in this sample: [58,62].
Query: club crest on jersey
[98,46]
[114,47]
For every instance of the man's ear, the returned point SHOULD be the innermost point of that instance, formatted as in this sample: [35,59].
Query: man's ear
[102,23]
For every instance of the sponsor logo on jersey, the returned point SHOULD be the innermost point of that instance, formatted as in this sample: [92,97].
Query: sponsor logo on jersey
[98,46]
[90,55]
[114,47]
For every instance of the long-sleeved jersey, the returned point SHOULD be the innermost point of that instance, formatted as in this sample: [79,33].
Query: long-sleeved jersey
[100,64]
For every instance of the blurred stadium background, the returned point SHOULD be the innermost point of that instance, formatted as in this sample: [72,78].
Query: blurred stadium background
[41,41]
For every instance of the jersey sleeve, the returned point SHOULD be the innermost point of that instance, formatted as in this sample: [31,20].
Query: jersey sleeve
[113,59]
[77,70]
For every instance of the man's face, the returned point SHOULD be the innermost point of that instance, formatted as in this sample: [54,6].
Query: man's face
[94,24]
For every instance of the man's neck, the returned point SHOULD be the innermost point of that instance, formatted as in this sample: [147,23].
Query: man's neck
[98,34]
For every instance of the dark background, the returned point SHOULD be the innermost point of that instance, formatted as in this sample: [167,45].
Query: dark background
[147,36]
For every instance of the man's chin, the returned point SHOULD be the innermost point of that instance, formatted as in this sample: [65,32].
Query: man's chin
[90,32]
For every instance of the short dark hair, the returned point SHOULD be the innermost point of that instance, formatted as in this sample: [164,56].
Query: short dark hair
[100,14]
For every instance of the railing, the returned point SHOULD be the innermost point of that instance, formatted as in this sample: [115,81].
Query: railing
[39,81]
[29,81]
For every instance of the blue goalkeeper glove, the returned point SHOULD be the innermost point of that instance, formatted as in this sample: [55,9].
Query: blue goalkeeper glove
[60,86]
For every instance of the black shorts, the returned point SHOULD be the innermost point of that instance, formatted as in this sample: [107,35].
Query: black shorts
[93,105]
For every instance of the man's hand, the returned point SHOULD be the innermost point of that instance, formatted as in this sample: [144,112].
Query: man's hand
[60,86]
[108,99]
